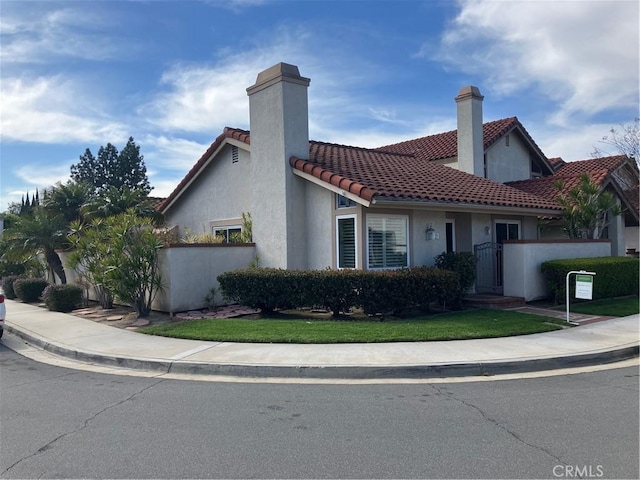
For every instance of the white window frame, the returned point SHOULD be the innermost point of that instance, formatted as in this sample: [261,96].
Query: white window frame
[217,229]
[357,250]
[406,223]
[507,222]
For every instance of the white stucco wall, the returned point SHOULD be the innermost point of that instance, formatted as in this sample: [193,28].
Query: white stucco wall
[522,260]
[189,272]
[505,164]
[320,227]
[221,191]
[423,250]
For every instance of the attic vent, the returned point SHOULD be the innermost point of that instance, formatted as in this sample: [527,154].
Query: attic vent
[506,140]
[234,154]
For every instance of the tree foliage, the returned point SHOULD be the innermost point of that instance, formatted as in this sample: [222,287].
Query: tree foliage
[114,201]
[40,232]
[587,210]
[66,199]
[112,168]
[122,254]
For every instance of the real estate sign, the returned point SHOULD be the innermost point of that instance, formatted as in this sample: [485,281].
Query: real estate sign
[584,286]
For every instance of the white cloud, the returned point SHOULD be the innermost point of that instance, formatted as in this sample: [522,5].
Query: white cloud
[583,55]
[171,153]
[38,33]
[573,143]
[52,110]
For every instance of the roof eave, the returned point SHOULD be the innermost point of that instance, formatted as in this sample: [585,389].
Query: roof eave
[381,201]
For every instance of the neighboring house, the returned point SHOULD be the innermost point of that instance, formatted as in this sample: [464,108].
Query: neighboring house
[317,205]
[616,174]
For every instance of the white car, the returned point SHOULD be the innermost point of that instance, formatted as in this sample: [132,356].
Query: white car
[3,312]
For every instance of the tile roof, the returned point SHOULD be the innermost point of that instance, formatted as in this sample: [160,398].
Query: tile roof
[445,145]
[585,166]
[545,186]
[394,175]
[599,169]
[371,172]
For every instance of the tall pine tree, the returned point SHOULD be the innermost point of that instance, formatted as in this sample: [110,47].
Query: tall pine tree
[112,169]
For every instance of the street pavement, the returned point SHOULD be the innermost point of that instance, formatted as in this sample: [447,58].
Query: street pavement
[592,343]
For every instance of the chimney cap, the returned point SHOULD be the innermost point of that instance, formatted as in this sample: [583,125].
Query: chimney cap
[469,92]
[280,72]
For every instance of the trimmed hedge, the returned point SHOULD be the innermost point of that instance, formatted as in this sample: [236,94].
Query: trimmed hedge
[7,286]
[615,276]
[62,298]
[464,264]
[29,289]
[383,292]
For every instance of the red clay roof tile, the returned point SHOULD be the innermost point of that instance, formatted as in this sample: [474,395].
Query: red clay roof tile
[445,145]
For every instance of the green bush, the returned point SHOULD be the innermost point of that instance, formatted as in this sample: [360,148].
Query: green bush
[384,292]
[29,289]
[464,264]
[615,276]
[62,298]
[7,286]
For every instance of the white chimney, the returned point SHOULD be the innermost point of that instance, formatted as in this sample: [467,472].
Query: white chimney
[279,124]
[470,140]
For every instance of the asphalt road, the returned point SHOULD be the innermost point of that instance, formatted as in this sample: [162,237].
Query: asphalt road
[61,423]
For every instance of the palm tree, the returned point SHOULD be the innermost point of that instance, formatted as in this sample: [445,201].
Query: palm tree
[587,209]
[114,201]
[38,233]
[66,199]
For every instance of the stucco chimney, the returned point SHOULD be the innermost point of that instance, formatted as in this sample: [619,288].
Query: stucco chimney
[470,140]
[279,124]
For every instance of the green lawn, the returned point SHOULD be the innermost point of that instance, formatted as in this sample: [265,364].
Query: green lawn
[284,329]
[617,307]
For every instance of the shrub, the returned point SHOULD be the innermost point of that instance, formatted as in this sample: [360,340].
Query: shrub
[29,289]
[7,286]
[62,298]
[464,264]
[615,276]
[383,292]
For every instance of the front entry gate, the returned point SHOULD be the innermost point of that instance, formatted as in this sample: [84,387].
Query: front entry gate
[489,268]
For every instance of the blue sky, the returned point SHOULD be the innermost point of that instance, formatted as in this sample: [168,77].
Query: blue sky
[172,74]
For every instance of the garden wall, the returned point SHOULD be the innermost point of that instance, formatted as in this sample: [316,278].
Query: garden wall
[188,272]
[522,260]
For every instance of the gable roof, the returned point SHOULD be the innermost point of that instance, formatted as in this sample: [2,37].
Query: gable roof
[546,186]
[227,134]
[445,145]
[394,175]
[594,164]
[372,174]
[602,172]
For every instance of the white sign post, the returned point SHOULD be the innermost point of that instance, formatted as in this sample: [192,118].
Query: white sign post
[584,287]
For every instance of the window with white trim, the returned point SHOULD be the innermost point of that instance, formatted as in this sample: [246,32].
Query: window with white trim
[231,233]
[387,241]
[346,241]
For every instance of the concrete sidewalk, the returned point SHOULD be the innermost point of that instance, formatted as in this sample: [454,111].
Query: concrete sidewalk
[84,340]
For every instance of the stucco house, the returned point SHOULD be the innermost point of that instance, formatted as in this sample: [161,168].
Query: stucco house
[316,205]
[616,174]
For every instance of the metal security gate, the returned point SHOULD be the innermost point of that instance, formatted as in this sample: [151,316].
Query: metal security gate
[489,267]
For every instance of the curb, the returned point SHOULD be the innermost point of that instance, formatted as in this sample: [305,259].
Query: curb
[426,371]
